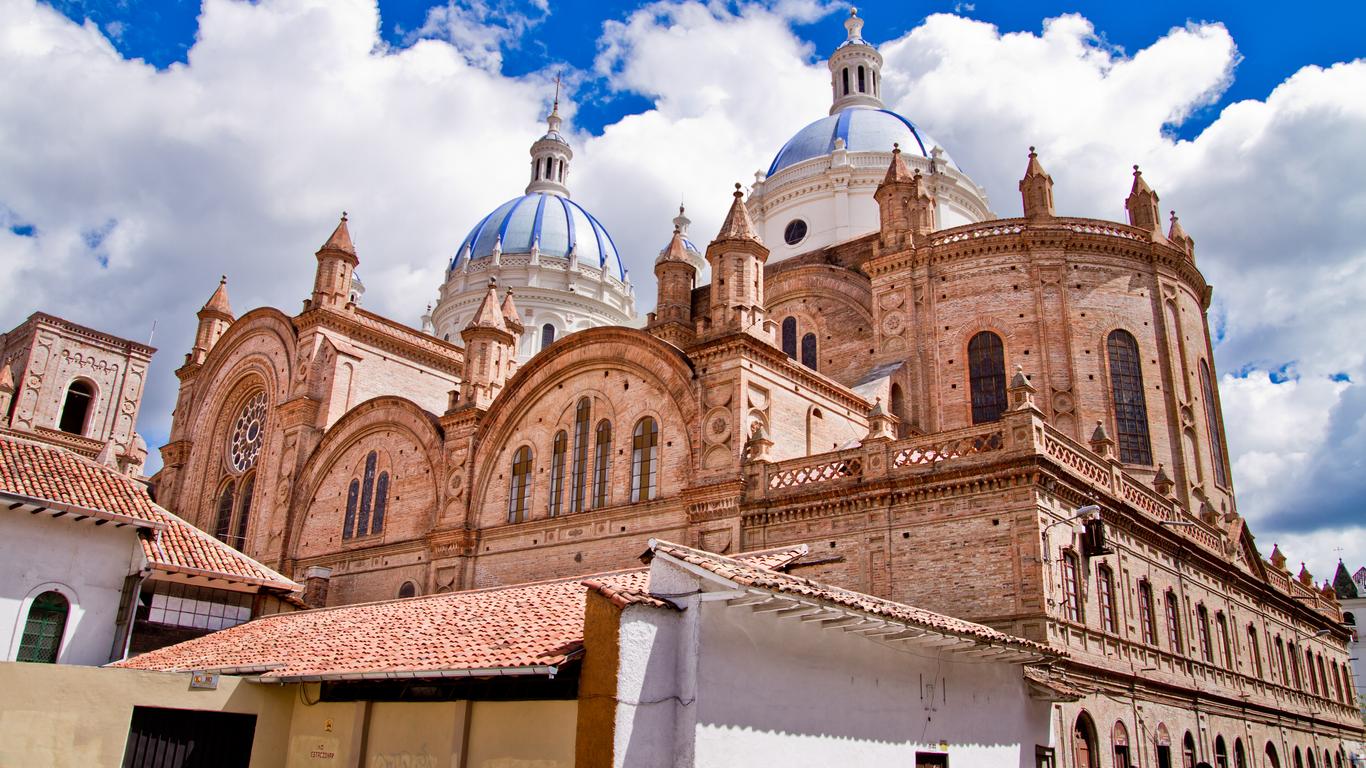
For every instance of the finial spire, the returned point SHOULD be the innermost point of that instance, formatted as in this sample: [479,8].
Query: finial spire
[855,69]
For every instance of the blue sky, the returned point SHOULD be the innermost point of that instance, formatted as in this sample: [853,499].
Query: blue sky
[165,143]
[1273,42]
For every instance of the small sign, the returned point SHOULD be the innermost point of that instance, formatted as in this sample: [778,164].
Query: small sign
[205,680]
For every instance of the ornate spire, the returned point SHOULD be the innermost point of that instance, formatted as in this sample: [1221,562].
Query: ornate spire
[855,69]
[681,221]
[737,225]
[511,316]
[1178,237]
[550,155]
[218,302]
[1142,205]
[898,171]
[1036,189]
[340,240]
[677,250]
[489,314]
[1343,585]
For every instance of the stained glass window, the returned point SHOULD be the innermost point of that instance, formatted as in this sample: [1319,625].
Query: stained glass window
[987,377]
[790,337]
[519,493]
[1131,412]
[244,444]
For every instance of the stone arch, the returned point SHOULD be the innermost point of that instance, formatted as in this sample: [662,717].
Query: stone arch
[365,420]
[612,349]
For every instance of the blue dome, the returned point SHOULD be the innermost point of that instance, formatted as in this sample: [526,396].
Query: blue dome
[863,130]
[560,224]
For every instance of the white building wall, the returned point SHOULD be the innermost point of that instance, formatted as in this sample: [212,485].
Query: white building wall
[1357,608]
[745,688]
[84,562]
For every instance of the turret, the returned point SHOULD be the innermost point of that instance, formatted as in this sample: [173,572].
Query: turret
[905,205]
[490,352]
[550,155]
[675,277]
[737,258]
[1036,190]
[214,319]
[336,264]
[1142,206]
[855,70]
[1176,235]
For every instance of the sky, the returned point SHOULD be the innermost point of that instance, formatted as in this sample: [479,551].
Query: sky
[148,147]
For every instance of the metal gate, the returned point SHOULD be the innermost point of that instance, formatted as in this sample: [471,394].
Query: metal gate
[187,738]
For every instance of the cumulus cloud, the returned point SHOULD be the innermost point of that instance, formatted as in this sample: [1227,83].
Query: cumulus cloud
[125,191]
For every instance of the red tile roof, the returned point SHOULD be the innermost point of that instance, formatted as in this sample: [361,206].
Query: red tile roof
[522,629]
[747,575]
[51,475]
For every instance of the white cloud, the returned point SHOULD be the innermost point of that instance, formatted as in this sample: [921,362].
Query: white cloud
[289,111]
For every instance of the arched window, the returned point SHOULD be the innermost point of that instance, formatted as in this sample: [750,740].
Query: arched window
[845,75]
[352,500]
[381,502]
[367,493]
[1084,752]
[1146,619]
[1221,623]
[1272,761]
[1162,739]
[899,403]
[602,462]
[557,451]
[1309,671]
[809,351]
[1202,632]
[1323,677]
[1105,591]
[987,377]
[1216,436]
[408,589]
[519,491]
[1220,752]
[239,536]
[76,407]
[1299,759]
[1174,623]
[644,460]
[223,524]
[1313,760]
[1071,590]
[1239,754]
[1188,751]
[790,337]
[1256,651]
[578,476]
[547,335]
[862,82]
[1280,661]
[43,630]
[1119,739]
[1349,618]
[1126,390]
[561,173]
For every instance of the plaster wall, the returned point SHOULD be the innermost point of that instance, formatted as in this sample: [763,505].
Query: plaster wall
[84,562]
[531,733]
[58,716]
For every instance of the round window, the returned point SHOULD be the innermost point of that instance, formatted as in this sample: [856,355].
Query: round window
[795,232]
[244,444]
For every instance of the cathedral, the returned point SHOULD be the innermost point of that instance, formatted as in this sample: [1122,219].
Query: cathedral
[1013,421]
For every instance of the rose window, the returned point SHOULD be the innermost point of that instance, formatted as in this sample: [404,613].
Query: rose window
[244,445]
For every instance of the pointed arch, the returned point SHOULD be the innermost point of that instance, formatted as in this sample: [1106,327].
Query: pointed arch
[1126,393]
[987,377]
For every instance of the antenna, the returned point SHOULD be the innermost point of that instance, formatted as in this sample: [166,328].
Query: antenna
[152,334]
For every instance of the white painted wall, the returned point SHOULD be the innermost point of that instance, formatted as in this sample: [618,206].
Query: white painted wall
[752,689]
[85,562]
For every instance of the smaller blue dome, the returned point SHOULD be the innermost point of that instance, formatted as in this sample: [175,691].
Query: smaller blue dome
[559,224]
[863,130]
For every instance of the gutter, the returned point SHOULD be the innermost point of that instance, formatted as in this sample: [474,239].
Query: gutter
[548,670]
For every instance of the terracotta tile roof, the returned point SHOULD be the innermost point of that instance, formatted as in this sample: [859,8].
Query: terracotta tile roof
[1047,685]
[747,575]
[624,596]
[502,630]
[50,474]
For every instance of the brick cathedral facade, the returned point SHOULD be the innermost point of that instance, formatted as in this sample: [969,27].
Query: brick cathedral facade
[926,408]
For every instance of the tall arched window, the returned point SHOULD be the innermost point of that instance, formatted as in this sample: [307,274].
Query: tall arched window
[1119,738]
[644,460]
[578,475]
[1084,752]
[1163,741]
[1174,623]
[1239,754]
[381,502]
[790,337]
[602,463]
[239,536]
[1225,642]
[845,77]
[557,451]
[1280,661]
[1202,632]
[1313,760]
[1126,390]
[367,493]
[367,499]
[352,500]
[1220,752]
[1216,431]
[547,335]
[1071,590]
[1309,671]
[76,407]
[1146,619]
[862,80]
[222,525]
[1272,761]
[809,351]
[1105,591]
[1188,751]
[1299,758]
[1255,649]
[987,377]
[43,629]
[519,490]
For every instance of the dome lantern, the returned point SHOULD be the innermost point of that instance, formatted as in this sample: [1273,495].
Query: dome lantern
[550,155]
[855,70]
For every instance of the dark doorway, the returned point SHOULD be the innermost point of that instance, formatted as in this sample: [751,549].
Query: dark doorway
[187,738]
[931,759]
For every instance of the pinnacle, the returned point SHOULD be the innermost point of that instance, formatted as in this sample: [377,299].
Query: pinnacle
[1140,186]
[898,171]
[510,314]
[737,225]
[1176,233]
[676,251]
[7,383]
[218,302]
[1034,168]
[340,239]
[489,314]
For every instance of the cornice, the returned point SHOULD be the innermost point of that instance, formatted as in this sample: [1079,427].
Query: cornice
[749,348]
[401,340]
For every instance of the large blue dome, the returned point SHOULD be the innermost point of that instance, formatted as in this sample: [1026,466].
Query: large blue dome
[863,130]
[558,223]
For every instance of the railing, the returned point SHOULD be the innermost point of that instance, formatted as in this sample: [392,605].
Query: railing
[947,450]
[988,231]
[1061,447]
[824,472]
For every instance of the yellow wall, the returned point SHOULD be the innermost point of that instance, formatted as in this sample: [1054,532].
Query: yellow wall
[522,734]
[404,735]
[60,715]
